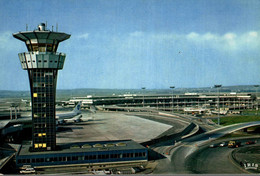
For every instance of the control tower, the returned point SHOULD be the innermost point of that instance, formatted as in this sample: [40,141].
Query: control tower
[42,61]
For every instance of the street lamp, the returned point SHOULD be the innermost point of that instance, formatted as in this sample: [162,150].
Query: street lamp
[143,88]
[172,87]
[256,108]
[218,86]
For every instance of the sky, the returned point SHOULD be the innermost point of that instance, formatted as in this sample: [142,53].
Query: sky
[119,44]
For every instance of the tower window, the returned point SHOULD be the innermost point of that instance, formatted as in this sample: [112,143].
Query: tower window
[49,47]
[35,48]
[54,48]
[42,49]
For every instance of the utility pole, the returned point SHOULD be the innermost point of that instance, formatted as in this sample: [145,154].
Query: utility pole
[256,107]
[172,87]
[143,88]
[218,87]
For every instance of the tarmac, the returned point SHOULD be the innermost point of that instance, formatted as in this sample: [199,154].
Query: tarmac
[111,126]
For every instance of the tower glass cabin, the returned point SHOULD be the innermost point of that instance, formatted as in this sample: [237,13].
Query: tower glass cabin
[42,61]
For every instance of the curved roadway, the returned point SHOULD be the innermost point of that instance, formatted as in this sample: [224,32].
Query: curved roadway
[222,158]
[177,160]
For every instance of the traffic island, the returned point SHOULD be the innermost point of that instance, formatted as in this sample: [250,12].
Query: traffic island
[247,158]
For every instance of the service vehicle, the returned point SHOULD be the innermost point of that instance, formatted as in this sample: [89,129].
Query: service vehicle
[234,144]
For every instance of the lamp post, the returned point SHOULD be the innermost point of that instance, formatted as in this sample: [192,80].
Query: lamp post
[157,103]
[143,88]
[256,108]
[218,86]
[172,87]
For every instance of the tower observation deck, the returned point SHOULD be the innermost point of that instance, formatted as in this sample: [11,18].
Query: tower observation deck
[42,61]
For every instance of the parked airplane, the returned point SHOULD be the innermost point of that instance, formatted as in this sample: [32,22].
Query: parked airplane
[69,120]
[73,116]
[10,126]
[70,117]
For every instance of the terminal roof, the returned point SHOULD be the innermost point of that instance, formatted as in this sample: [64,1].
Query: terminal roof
[91,147]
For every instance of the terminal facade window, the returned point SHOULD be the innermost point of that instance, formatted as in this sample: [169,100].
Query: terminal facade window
[86,157]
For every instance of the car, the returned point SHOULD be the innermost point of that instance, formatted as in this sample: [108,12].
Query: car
[27,171]
[212,145]
[250,142]
[222,144]
[25,167]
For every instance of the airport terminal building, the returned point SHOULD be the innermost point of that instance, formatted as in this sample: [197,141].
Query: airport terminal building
[89,154]
[167,102]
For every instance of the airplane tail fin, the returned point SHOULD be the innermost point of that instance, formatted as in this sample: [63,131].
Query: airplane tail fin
[77,107]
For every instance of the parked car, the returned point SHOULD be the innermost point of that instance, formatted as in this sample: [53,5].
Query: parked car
[222,144]
[25,167]
[212,145]
[27,171]
[250,142]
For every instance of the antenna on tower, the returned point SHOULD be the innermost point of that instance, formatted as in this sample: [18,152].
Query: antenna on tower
[56,27]
[26,27]
[52,28]
[46,25]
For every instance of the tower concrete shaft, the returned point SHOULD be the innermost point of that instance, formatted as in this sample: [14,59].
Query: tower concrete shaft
[42,61]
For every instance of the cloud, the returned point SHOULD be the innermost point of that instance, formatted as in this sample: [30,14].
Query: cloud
[193,36]
[228,41]
[136,34]
[155,57]
[83,36]
[143,41]
[145,44]
[253,34]
[230,36]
